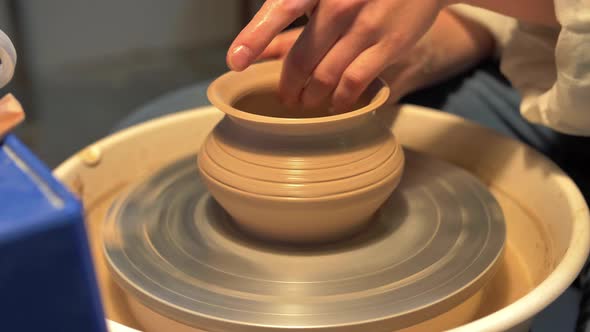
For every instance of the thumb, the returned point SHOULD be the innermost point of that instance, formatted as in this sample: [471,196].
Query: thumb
[398,76]
[269,21]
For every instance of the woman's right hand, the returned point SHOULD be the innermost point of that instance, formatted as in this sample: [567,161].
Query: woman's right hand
[398,76]
[434,58]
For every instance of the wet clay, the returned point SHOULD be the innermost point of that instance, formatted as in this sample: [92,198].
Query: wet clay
[513,279]
[266,102]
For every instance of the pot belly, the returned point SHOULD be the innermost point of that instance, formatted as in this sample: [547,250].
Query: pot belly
[295,190]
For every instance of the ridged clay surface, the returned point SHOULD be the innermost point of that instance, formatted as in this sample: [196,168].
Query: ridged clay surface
[297,175]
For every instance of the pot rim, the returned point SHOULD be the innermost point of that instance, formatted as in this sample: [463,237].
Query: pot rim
[380,97]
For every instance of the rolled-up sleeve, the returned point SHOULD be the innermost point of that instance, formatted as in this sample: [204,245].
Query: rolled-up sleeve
[551,69]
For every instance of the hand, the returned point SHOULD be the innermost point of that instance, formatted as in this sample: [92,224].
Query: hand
[345,45]
[402,77]
[432,59]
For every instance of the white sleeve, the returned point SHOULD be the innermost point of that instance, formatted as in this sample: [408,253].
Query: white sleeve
[551,69]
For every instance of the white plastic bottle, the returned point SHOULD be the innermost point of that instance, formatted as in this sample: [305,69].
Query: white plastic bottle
[8,58]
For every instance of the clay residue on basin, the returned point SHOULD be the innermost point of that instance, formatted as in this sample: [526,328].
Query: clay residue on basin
[513,279]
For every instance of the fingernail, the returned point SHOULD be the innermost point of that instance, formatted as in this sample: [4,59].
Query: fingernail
[289,102]
[240,58]
[341,106]
[310,101]
[286,98]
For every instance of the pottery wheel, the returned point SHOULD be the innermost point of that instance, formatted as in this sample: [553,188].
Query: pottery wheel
[432,245]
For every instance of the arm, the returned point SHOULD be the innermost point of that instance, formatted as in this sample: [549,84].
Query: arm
[437,57]
[533,11]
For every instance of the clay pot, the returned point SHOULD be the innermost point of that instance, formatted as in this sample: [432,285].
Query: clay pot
[297,175]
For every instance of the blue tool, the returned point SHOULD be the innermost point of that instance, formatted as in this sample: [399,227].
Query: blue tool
[47,278]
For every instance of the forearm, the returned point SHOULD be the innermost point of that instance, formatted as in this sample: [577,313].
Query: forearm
[532,11]
[452,45]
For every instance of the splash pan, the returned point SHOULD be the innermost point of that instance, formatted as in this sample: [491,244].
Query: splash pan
[177,245]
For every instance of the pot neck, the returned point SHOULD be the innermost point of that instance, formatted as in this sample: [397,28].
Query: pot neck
[304,127]
[227,90]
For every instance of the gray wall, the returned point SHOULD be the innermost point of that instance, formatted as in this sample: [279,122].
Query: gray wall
[70,31]
[87,64]
[5,18]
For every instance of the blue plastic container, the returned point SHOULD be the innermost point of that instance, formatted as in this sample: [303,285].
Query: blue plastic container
[47,278]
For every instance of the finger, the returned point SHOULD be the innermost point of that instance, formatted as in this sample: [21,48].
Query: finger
[326,75]
[269,21]
[357,77]
[281,45]
[399,77]
[328,23]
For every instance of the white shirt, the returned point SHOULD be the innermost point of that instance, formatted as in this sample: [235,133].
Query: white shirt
[550,67]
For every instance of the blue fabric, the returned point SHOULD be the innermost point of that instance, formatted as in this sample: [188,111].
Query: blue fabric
[183,99]
[484,96]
